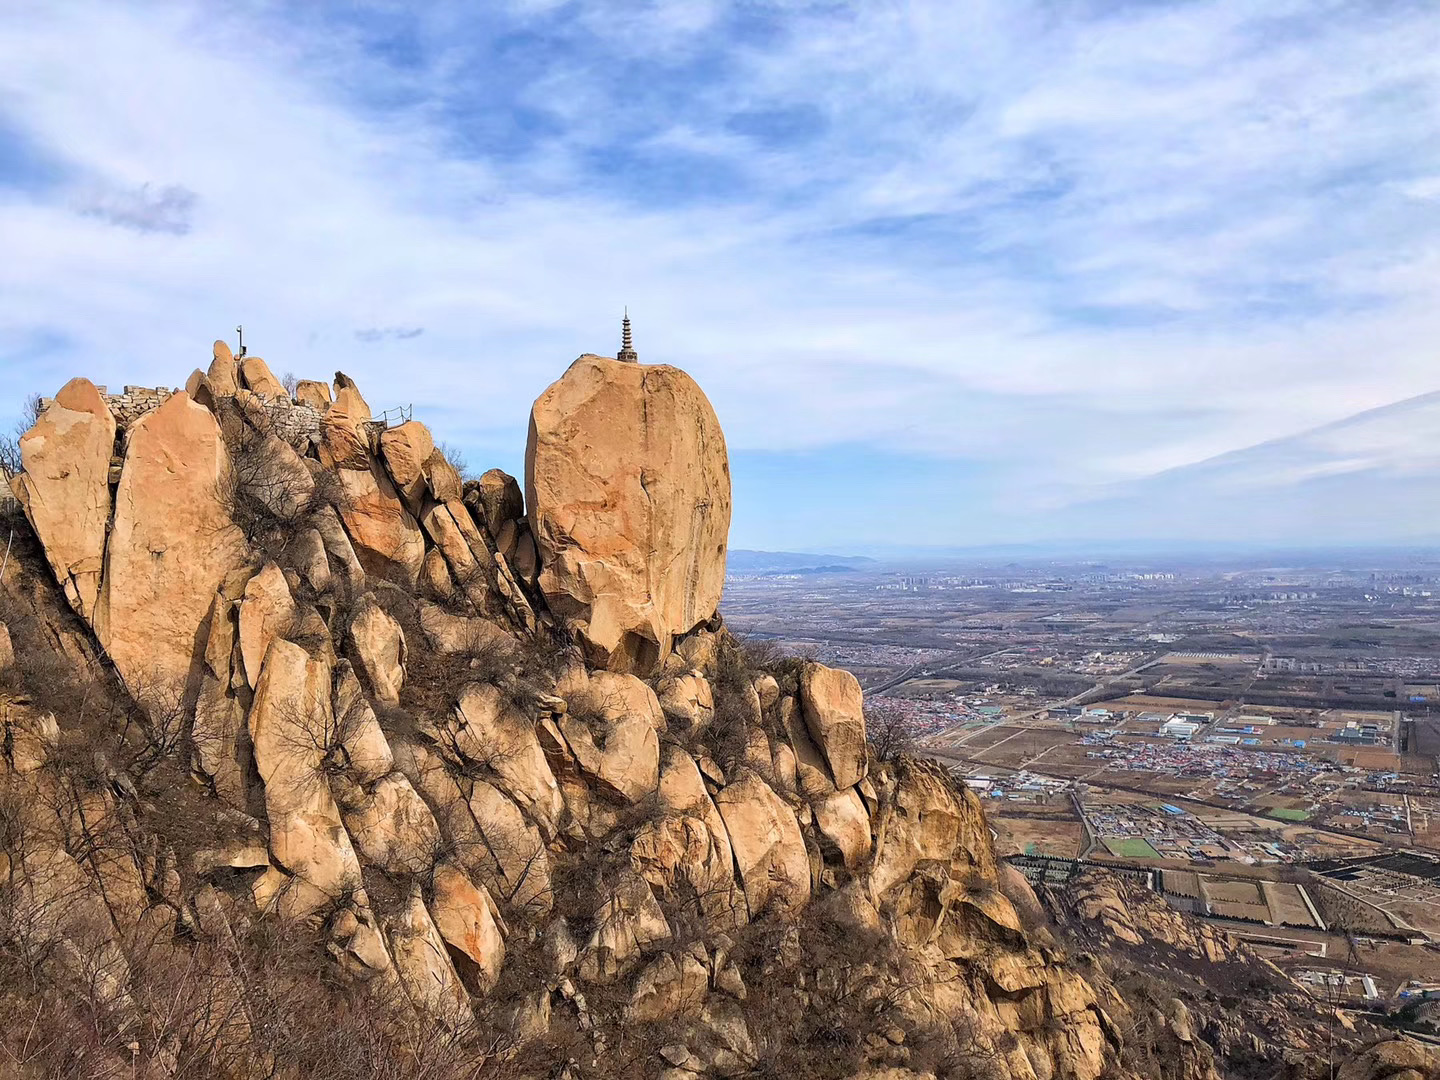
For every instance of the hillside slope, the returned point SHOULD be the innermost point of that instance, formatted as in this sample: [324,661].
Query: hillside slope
[321,761]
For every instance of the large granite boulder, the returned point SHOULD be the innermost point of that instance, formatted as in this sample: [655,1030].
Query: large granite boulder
[65,489]
[379,646]
[628,487]
[769,849]
[171,545]
[223,375]
[685,850]
[292,726]
[487,730]
[925,817]
[463,916]
[423,963]
[612,728]
[834,711]
[406,450]
[258,377]
[386,537]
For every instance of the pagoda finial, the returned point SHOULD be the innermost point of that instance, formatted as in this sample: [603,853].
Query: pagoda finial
[627,352]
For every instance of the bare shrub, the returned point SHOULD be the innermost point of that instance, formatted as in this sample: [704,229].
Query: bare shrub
[728,732]
[269,492]
[887,734]
[456,457]
[10,462]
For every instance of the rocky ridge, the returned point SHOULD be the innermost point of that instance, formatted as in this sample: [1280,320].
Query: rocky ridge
[319,759]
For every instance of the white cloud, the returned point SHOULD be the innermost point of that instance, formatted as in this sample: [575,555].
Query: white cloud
[1075,248]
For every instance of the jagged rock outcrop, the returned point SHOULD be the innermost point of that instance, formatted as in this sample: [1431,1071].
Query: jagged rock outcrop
[291,728]
[628,488]
[686,850]
[171,544]
[379,644]
[834,715]
[351,730]
[65,488]
[387,538]
[464,916]
[769,849]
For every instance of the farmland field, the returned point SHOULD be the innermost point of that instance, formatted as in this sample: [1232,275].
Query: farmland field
[1283,814]
[1129,847]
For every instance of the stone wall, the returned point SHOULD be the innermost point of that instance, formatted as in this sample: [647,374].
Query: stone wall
[293,422]
[135,402]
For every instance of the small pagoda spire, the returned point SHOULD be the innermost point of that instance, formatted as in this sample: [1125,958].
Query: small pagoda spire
[627,353]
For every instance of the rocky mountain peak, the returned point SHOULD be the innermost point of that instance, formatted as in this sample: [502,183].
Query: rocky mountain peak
[320,759]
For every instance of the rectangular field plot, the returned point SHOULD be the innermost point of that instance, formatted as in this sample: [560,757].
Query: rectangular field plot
[1287,907]
[1283,814]
[1182,883]
[1234,892]
[1129,847]
[1037,836]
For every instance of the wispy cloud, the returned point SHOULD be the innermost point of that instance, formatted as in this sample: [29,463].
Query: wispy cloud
[145,209]
[389,333]
[1045,246]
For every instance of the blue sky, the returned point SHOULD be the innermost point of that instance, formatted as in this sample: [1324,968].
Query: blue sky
[948,272]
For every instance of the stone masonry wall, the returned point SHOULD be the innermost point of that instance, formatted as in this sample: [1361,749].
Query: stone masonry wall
[294,422]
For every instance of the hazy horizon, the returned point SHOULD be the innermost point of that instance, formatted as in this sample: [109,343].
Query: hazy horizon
[952,276]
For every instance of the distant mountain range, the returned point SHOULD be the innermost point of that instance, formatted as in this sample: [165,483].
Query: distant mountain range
[743,561]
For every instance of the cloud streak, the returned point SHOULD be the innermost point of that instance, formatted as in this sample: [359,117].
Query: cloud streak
[168,209]
[1043,247]
[388,333]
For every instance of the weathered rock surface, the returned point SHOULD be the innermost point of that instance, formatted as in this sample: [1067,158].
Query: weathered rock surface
[406,450]
[65,488]
[926,819]
[463,915]
[344,442]
[686,851]
[628,925]
[255,374]
[769,850]
[171,544]
[291,727]
[687,701]
[611,727]
[219,755]
[424,966]
[500,500]
[379,645]
[267,612]
[313,393]
[628,487]
[489,731]
[224,373]
[387,539]
[835,716]
[844,824]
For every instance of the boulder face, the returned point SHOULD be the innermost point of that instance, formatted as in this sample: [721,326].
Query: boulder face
[387,539]
[65,489]
[835,714]
[628,487]
[171,545]
[769,850]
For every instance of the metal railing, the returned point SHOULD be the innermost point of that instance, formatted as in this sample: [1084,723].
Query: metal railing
[400,414]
